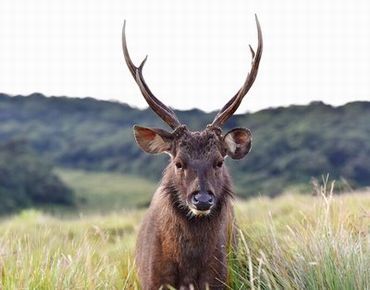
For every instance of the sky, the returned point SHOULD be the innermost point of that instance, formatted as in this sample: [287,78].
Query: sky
[198,50]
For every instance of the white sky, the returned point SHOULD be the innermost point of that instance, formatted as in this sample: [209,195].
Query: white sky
[198,50]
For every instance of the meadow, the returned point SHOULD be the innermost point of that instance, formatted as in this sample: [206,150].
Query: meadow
[294,241]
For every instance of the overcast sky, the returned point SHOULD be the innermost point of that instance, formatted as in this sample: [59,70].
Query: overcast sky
[198,50]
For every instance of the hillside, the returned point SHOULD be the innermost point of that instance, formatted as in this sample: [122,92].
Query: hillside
[291,145]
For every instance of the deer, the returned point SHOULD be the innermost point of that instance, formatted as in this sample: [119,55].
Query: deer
[184,237]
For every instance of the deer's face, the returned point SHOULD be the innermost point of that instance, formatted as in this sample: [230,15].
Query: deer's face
[197,171]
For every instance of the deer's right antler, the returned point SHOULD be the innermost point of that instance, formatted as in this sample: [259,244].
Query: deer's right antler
[165,113]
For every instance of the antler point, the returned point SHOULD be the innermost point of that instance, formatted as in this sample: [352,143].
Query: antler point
[252,51]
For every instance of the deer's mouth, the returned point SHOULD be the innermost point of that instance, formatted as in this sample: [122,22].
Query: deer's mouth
[200,213]
[194,212]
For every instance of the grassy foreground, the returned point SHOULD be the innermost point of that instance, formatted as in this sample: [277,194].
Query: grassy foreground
[291,242]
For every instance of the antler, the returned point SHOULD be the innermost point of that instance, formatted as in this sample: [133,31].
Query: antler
[156,105]
[229,109]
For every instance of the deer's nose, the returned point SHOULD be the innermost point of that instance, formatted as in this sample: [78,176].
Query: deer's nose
[202,200]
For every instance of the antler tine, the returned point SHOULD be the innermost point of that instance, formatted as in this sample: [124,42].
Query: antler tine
[165,113]
[229,109]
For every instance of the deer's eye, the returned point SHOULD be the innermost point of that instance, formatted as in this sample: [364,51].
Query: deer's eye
[178,165]
[219,163]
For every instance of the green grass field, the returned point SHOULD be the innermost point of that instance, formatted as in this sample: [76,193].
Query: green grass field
[291,242]
[101,192]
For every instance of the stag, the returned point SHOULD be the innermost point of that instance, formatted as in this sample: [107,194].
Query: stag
[183,240]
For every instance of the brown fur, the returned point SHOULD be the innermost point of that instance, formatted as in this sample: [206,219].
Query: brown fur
[174,246]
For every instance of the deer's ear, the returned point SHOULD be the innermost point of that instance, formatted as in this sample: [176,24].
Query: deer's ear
[238,142]
[153,140]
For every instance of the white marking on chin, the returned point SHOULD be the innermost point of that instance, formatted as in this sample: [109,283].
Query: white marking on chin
[200,212]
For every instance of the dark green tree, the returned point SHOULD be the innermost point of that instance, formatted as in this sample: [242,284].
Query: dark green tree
[27,180]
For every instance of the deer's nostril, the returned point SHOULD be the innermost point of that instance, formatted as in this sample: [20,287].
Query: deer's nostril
[194,199]
[211,200]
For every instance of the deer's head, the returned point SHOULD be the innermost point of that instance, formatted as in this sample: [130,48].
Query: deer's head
[196,171]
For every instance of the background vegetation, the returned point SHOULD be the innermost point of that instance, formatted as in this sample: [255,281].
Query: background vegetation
[291,145]
[104,192]
[26,180]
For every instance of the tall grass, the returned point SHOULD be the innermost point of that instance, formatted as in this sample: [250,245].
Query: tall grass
[39,252]
[304,242]
[291,242]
